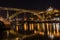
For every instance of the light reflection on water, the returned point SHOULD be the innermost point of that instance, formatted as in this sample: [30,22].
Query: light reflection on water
[7,36]
[17,38]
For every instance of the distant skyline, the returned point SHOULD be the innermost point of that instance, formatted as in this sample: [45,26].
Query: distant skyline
[31,4]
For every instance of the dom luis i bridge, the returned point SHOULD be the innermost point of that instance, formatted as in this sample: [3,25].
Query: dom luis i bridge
[27,23]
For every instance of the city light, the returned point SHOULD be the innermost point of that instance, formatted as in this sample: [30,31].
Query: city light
[50,9]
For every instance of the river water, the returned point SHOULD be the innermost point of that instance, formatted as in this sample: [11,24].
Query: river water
[8,36]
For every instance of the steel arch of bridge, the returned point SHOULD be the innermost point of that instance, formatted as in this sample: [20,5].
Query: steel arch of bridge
[18,11]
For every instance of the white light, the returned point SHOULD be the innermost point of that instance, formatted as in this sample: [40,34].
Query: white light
[50,9]
[41,12]
[51,36]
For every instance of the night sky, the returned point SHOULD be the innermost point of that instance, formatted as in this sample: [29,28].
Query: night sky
[31,4]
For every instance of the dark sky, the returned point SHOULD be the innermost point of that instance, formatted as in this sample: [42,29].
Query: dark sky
[31,4]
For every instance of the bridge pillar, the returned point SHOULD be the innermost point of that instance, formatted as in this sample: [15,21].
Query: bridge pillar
[17,24]
[43,26]
[25,26]
[31,26]
[38,26]
[54,27]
